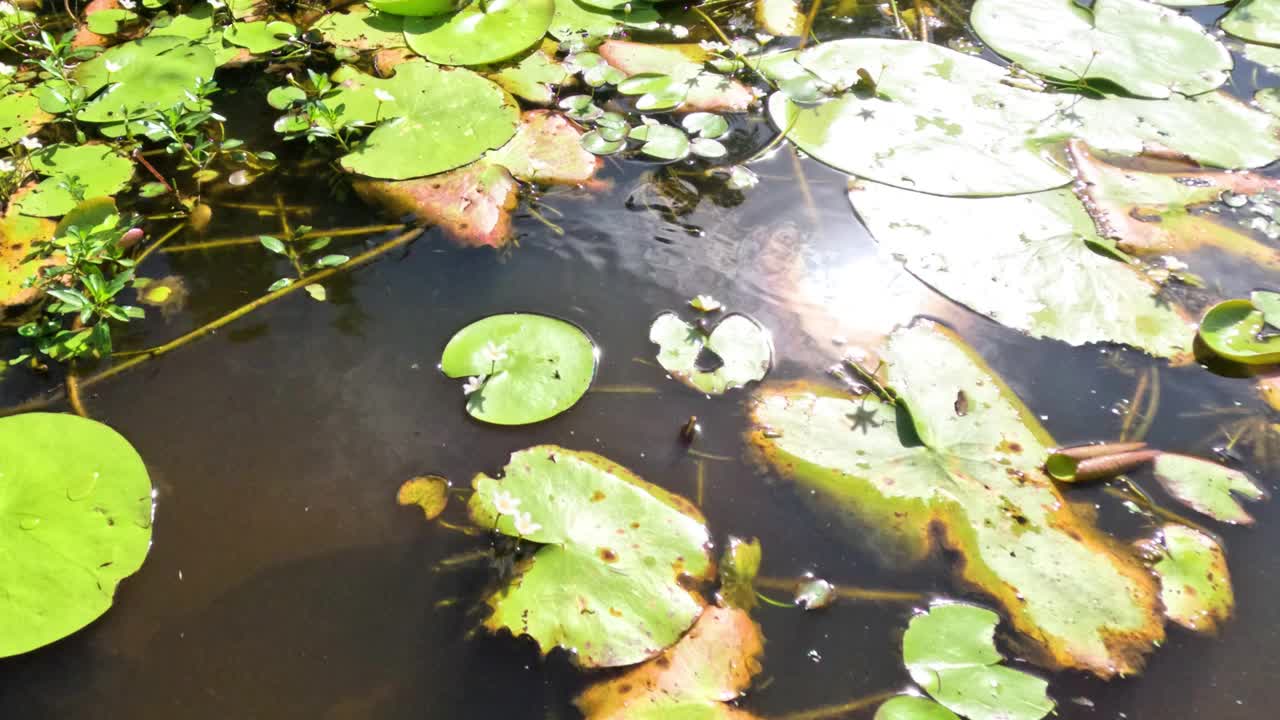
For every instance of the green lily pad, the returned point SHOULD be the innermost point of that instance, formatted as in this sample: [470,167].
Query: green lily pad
[534,78]
[573,19]
[534,366]
[75,520]
[260,37]
[96,168]
[947,123]
[1267,303]
[663,142]
[950,652]
[547,148]
[18,235]
[1147,49]
[1207,487]
[910,707]
[197,25]
[738,569]
[437,120]
[417,8]
[1026,262]
[606,584]
[480,34]
[711,665]
[360,28]
[1255,21]
[742,345]
[154,72]
[1195,584]
[108,21]
[20,116]
[902,476]
[1233,329]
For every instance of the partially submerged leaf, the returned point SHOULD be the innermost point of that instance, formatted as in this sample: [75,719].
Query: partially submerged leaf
[711,665]
[429,492]
[1234,329]
[532,367]
[608,583]
[1254,20]
[1207,487]
[96,170]
[1026,262]
[480,33]
[910,476]
[534,77]
[472,204]
[1195,585]
[703,89]
[741,344]
[950,652]
[911,707]
[75,520]
[18,233]
[738,569]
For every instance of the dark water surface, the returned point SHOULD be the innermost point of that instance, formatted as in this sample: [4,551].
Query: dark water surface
[284,582]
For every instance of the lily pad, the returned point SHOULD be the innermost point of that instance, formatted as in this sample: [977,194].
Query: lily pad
[910,707]
[904,476]
[1147,49]
[154,73]
[20,116]
[711,665]
[472,204]
[1255,21]
[260,37]
[1026,262]
[109,21]
[675,77]
[437,120]
[534,78]
[18,234]
[742,346]
[75,520]
[950,652]
[1207,487]
[480,33]
[547,148]
[417,8]
[96,169]
[738,569]
[663,142]
[360,28]
[1195,585]
[1267,303]
[1234,329]
[533,366]
[429,492]
[197,25]
[575,20]
[608,583]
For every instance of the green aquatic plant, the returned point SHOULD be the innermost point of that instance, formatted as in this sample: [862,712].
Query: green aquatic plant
[738,569]
[741,348]
[75,520]
[481,32]
[1238,331]
[1207,487]
[72,174]
[1195,585]
[1254,20]
[303,249]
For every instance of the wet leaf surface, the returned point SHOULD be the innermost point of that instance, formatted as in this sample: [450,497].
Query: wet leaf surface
[1233,329]
[1207,487]
[480,33]
[1195,585]
[738,569]
[429,492]
[741,344]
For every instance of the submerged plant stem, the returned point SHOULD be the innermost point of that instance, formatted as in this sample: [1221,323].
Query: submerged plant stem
[806,30]
[700,482]
[1131,492]
[846,592]
[73,393]
[625,389]
[156,245]
[802,181]
[841,710]
[253,240]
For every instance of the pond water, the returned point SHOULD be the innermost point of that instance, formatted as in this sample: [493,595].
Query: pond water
[285,582]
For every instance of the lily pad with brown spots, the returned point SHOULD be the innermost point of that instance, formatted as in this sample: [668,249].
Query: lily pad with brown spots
[18,233]
[1195,585]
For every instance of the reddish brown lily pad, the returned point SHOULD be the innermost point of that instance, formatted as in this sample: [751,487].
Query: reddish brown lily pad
[711,92]
[472,204]
[547,148]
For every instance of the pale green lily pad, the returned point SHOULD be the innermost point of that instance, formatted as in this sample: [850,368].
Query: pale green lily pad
[576,20]
[1254,20]
[18,235]
[438,120]
[743,346]
[155,73]
[1147,49]
[663,142]
[534,366]
[1264,55]
[75,520]
[948,123]
[1267,303]
[197,24]
[20,116]
[901,479]
[1207,487]
[534,78]
[260,37]
[96,168]
[480,34]
[1024,261]
[362,29]
[108,21]
[738,569]
[1268,99]
[606,583]
[1234,329]
[1195,584]
[417,8]
[950,652]
[910,707]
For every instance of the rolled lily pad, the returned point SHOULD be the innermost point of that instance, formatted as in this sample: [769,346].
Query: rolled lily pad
[903,476]
[1025,261]
[950,652]
[75,520]
[608,582]
[260,37]
[97,169]
[154,72]
[738,569]
[1195,584]
[20,116]
[18,234]
[911,707]
[1207,487]
[711,665]
[437,120]
[1144,48]
[1255,21]
[532,366]
[1234,329]
[480,33]
[417,8]
[743,347]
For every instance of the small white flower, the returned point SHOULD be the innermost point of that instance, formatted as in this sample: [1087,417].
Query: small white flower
[1174,263]
[31,143]
[217,4]
[6,69]
[127,4]
[705,303]
[505,504]
[383,96]
[493,353]
[712,46]
[473,384]
[111,67]
[6,165]
[7,8]
[525,524]
[679,32]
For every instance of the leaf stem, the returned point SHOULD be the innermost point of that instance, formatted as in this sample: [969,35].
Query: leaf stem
[841,710]
[253,239]
[847,592]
